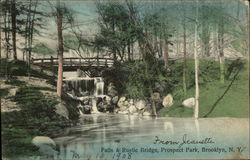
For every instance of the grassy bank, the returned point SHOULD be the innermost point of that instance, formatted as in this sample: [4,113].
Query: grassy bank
[230,99]
[36,114]
[138,80]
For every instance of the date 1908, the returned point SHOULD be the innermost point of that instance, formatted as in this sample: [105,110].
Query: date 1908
[122,156]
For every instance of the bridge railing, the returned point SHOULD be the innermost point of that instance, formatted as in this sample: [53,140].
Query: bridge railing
[74,61]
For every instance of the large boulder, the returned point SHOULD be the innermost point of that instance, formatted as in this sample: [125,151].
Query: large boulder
[122,102]
[46,145]
[140,104]
[43,140]
[167,101]
[189,103]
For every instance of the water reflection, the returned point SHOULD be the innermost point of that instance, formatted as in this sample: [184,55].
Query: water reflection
[117,131]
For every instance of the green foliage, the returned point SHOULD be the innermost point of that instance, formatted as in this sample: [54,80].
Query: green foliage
[117,28]
[13,67]
[41,48]
[3,92]
[19,68]
[34,103]
[36,117]
[233,104]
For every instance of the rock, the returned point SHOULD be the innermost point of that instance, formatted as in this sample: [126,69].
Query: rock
[86,101]
[62,110]
[46,145]
[122,99]
[100,105]
[156,97]
[167,101]
[123,108]
[115,99]
[87,109]
[189,103]
[146,113]
[121,102]
[126,103]
[141,104]
[132,109]
[43,140]
[148,108]
[131,101]
[107,99]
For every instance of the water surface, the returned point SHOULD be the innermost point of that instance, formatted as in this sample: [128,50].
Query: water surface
[107,136]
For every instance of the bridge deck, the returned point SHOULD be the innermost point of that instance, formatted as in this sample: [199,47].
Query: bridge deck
[74,61]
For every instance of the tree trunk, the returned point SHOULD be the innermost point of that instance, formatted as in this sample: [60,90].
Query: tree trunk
[221,50]
[7,32]
[60,50]
[160,47]
[165,47]
[132,51]
[129,51]
[31,30]
[13,24]
[184,60]
[0,36]
[196,59]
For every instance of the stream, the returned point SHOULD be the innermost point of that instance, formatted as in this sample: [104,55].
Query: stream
[114,136]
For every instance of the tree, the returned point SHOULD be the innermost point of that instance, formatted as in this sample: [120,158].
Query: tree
[221,49]
[59,19]
[30,27]
[184,52]
[116,30]
[196,58]
[6,28]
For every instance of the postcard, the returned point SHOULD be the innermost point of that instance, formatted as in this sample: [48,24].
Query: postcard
[124,79]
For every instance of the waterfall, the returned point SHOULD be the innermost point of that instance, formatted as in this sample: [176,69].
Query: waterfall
[85,88]
[80,87]
[94,107]
[99,87]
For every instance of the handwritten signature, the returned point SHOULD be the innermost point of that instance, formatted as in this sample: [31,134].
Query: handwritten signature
[184,140]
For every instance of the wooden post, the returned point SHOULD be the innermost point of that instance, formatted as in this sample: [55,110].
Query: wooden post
[97,61]
[51,65]
[42,65]
[32,60]
[106,62]
[70,62]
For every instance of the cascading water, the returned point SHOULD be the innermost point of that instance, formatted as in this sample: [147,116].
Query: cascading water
[83,88]
[99,86]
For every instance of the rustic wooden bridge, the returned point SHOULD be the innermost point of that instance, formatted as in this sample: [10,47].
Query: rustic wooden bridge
[72,63]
